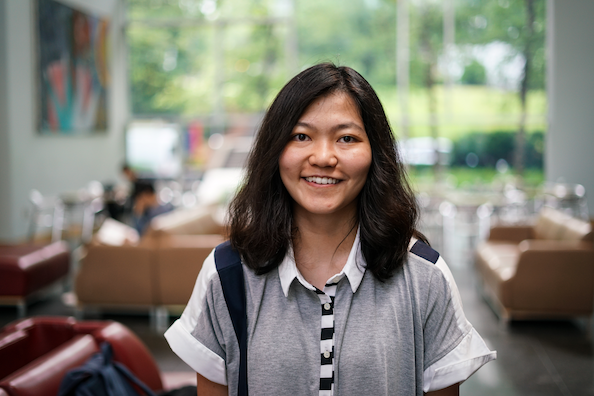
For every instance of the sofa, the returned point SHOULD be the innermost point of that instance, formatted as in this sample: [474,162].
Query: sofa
[36,353]
[543,270]
[156,274]
[29,271]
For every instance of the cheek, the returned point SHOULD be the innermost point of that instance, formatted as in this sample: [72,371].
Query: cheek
[360,164]
[286,165]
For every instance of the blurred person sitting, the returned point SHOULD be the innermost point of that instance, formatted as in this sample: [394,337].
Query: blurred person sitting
[146,206]
[119,196]
[129,173]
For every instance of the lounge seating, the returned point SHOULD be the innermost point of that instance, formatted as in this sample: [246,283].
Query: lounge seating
[545,270]
[157,274]
[36,353]
[27,271]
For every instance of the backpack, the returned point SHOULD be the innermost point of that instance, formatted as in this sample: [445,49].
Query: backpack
[102,376]
[228,263]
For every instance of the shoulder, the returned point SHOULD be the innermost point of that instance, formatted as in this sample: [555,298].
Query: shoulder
[432,272]
[203,284]
[425,262]
[423,257]
[209,269]
[421,250]
[220,259]
[194,336]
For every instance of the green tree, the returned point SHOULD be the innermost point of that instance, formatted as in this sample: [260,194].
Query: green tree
[427,43]
[360,35]
[474,74]
[519,23]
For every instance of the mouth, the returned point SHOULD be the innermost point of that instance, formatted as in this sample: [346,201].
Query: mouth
[321,180]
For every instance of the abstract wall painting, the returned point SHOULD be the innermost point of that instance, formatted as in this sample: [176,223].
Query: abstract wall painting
[73,53]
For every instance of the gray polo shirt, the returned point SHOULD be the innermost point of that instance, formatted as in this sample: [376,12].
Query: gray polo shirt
[405,336]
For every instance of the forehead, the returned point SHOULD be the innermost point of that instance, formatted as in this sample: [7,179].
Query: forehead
[335,106]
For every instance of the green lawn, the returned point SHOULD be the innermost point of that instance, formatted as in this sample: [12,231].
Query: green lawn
[463,109]
[423,178]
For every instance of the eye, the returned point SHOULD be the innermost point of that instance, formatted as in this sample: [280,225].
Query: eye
[347,139]
[300,137]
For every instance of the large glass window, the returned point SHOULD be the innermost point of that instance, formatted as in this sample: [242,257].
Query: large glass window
[467,76]
[205,58]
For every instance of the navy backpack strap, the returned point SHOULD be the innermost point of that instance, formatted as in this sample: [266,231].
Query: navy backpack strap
[230,271]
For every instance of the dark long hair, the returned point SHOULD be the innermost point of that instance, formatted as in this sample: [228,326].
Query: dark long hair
[261,212]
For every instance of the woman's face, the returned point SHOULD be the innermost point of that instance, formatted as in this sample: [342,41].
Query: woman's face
[325,164]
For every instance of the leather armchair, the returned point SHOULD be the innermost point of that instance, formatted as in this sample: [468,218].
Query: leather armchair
[36,353]
[545,270]
[29,271]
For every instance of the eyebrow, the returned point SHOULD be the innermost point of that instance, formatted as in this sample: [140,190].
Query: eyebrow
[337,127]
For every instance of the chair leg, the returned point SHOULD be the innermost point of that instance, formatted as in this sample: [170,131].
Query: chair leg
[33,225]
[586,324]
[161,319]
[504,320]
[22,309]
[58,222]
[589,327]
[79,313]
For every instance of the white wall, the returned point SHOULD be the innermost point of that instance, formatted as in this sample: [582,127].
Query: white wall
[569,150]
[50,164]
[4,147]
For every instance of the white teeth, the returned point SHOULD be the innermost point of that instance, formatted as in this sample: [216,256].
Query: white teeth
[321,180]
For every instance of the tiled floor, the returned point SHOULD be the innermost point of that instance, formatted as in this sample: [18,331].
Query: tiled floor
[534,358]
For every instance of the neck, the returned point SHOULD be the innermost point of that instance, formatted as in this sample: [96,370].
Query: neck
[322,245]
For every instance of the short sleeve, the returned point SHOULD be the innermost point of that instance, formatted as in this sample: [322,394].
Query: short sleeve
[453,349]
[195,336]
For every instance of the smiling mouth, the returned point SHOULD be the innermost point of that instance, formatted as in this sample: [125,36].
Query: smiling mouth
[322,180]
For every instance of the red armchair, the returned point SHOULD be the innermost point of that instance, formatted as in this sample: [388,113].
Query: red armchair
[27,271]
[36,353]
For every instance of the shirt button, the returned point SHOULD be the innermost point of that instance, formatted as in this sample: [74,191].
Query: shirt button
[327,354]
[327,306]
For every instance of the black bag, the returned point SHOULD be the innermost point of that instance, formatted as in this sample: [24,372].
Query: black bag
[102,376]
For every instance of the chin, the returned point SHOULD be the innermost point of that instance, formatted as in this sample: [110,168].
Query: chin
[323,211]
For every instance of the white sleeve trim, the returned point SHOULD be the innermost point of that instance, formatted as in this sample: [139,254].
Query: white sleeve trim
[180,338]
[468,356]
[201,359]
[459,364]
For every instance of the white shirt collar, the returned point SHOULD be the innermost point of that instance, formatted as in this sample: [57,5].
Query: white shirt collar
[354,269]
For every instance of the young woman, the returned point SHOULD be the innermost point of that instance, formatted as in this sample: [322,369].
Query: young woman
[343,297]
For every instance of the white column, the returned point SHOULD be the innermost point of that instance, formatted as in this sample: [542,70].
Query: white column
[218,110]
[569,150]
[403,65]
[292,46]
[449,36]
[5,181]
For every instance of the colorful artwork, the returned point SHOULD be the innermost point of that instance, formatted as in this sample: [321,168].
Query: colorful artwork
[194,143]
[73,66]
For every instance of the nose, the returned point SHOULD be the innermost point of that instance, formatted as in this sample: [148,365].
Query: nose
[323,155]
